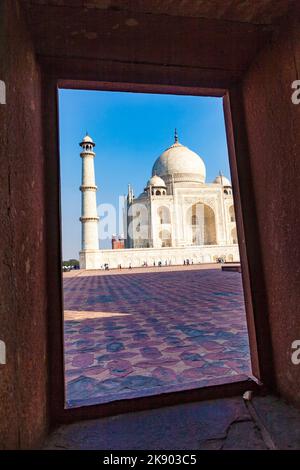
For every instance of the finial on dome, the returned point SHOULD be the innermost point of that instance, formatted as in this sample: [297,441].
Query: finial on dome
[221,176]
[175,136]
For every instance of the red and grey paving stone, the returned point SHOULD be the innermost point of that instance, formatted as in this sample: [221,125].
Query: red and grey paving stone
[144,332]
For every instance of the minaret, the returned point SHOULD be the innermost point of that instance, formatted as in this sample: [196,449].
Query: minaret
[89,217]
[129,217]
[221,177]
[130,195]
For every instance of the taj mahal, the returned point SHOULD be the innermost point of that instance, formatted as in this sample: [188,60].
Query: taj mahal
[179,218]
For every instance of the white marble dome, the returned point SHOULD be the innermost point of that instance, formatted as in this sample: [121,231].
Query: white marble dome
[222,180]
[156,181]
[181,163]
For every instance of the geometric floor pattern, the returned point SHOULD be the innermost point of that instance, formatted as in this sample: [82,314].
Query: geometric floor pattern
[133,334]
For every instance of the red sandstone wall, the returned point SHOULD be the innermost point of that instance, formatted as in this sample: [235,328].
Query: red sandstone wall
[273,128]
[23,380]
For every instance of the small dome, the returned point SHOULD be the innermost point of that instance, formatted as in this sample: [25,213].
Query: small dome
[87,139]
[221,179]
[156,181]
[144,194]
[181,163]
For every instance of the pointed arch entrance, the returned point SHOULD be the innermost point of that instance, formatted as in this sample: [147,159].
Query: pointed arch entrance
[201,223]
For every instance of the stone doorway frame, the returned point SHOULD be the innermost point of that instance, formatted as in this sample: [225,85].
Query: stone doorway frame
[253,281]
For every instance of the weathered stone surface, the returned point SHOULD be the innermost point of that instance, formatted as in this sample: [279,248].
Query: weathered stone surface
[262,12]
[23,379]
[211,425]
[178,427]
[244,436]
[281,420]
[271,121]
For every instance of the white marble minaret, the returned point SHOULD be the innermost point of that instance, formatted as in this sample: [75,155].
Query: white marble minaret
[89,217]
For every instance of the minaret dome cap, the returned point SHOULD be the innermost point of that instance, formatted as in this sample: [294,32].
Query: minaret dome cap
[87,140]
[221,179]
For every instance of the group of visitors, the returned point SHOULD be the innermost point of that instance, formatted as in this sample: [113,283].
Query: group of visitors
[186,262]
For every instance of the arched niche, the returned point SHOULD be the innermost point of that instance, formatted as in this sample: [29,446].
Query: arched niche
[234,239]
[165,238]
[164,216]
[201,223]
[231,214]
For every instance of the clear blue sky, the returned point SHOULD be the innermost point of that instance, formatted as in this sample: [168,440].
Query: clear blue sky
[130,131]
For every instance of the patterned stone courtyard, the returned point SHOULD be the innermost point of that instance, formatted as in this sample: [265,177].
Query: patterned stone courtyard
[150,331]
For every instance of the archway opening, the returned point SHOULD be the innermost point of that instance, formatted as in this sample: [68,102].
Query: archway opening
[164,216]
[234,239]
[231,214]
[165,238]
[201,225]
[132,318]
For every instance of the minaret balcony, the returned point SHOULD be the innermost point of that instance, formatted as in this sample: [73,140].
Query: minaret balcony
[88,219]
[87,153]
[86,187]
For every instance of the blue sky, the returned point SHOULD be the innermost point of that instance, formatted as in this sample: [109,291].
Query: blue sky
[130,131]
